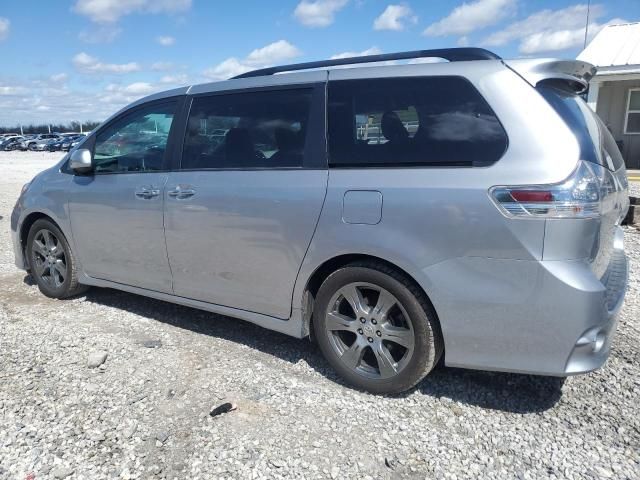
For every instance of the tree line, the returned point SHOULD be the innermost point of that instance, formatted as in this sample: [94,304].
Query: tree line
[54,127]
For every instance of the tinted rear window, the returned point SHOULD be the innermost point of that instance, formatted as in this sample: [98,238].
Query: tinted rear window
[265,129]
[597,145]
[418,121]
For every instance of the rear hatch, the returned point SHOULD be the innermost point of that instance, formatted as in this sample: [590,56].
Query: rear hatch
[598,147]
[584,211]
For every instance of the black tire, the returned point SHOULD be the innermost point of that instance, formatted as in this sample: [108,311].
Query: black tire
[60,281]
[427,344]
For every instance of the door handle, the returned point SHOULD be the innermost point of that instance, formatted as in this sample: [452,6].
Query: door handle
[181,192]
[147,193]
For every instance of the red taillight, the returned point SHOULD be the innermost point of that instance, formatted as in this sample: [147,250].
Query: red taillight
[531,195]
[579,196]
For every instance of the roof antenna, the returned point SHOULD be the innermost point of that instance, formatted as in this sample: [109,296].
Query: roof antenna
[586,27]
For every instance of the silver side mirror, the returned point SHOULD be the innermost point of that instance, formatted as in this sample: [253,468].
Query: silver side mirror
[81,161]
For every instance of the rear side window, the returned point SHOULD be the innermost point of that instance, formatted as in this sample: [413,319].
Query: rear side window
[423,121]
[264,129]
[578,117]
[597,144]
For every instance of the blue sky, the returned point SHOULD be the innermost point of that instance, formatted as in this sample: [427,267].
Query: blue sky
[83,59]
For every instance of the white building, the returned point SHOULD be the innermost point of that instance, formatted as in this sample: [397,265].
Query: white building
[614,92]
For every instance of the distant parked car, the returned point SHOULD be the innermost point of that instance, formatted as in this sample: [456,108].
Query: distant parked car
[25,139]
[71,142]
[41,146]
[9,144]
[3,141]
[38,143]
[9,135]
[55,144]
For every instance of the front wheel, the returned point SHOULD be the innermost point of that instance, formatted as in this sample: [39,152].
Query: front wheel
[51,261]
[376,328]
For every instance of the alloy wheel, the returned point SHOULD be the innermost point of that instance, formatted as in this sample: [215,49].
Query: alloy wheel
[370,330]
[49,258]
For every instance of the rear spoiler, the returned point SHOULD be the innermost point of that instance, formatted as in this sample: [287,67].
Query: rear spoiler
[572,74]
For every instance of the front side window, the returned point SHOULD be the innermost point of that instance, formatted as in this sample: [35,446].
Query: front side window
[632,121]
[265,129]
[136,142]
[419,121]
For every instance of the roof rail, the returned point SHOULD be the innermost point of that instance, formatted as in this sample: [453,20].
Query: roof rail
[450,54]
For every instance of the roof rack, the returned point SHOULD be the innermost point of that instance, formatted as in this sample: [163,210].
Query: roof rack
[450,54]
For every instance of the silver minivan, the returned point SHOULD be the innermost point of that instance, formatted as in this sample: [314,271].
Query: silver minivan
[465,211]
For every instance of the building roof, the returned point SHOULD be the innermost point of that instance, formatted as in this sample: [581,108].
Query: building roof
[615,49]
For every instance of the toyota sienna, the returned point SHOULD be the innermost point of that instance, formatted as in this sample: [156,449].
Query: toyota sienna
[465,210]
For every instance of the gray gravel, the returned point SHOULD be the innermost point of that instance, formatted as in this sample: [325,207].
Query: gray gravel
[144,412]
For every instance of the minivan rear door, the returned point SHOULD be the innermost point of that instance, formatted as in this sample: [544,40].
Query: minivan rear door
[597,146]
[241,209]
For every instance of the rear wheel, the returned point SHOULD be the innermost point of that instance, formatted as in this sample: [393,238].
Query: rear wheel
[375,327]
[51,260]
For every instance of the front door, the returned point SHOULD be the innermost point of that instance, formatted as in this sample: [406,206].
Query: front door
[117,211]
[242,209]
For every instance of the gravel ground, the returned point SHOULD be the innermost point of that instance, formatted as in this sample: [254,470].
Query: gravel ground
[144,411]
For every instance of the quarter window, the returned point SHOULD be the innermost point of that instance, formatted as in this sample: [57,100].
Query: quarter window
[411,122]
[265,129]
[632,120]
[136,142]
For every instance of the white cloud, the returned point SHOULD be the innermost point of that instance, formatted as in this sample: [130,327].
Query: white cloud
[551,30]
[556,40]
[52,85]
[363,53]
[121,95]
[48,99]
[59,78]
[261,57]
[102,34]
[472,16]
[87,64]
[161,66]
[5,25]
[139,88]
[109,11]
[377,51]
[11,90]
[463,41]
[562,19]
[274,52]
[395,18]
[226,69]
[318,13]
[165,41]
[179,79]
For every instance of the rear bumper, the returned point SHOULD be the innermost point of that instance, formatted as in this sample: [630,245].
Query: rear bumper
[592,348]
[538,317]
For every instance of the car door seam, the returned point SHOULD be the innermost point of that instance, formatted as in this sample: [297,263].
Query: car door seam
[163,189]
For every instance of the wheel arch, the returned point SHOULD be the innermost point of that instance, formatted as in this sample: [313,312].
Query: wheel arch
[25,227]
[329,266]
